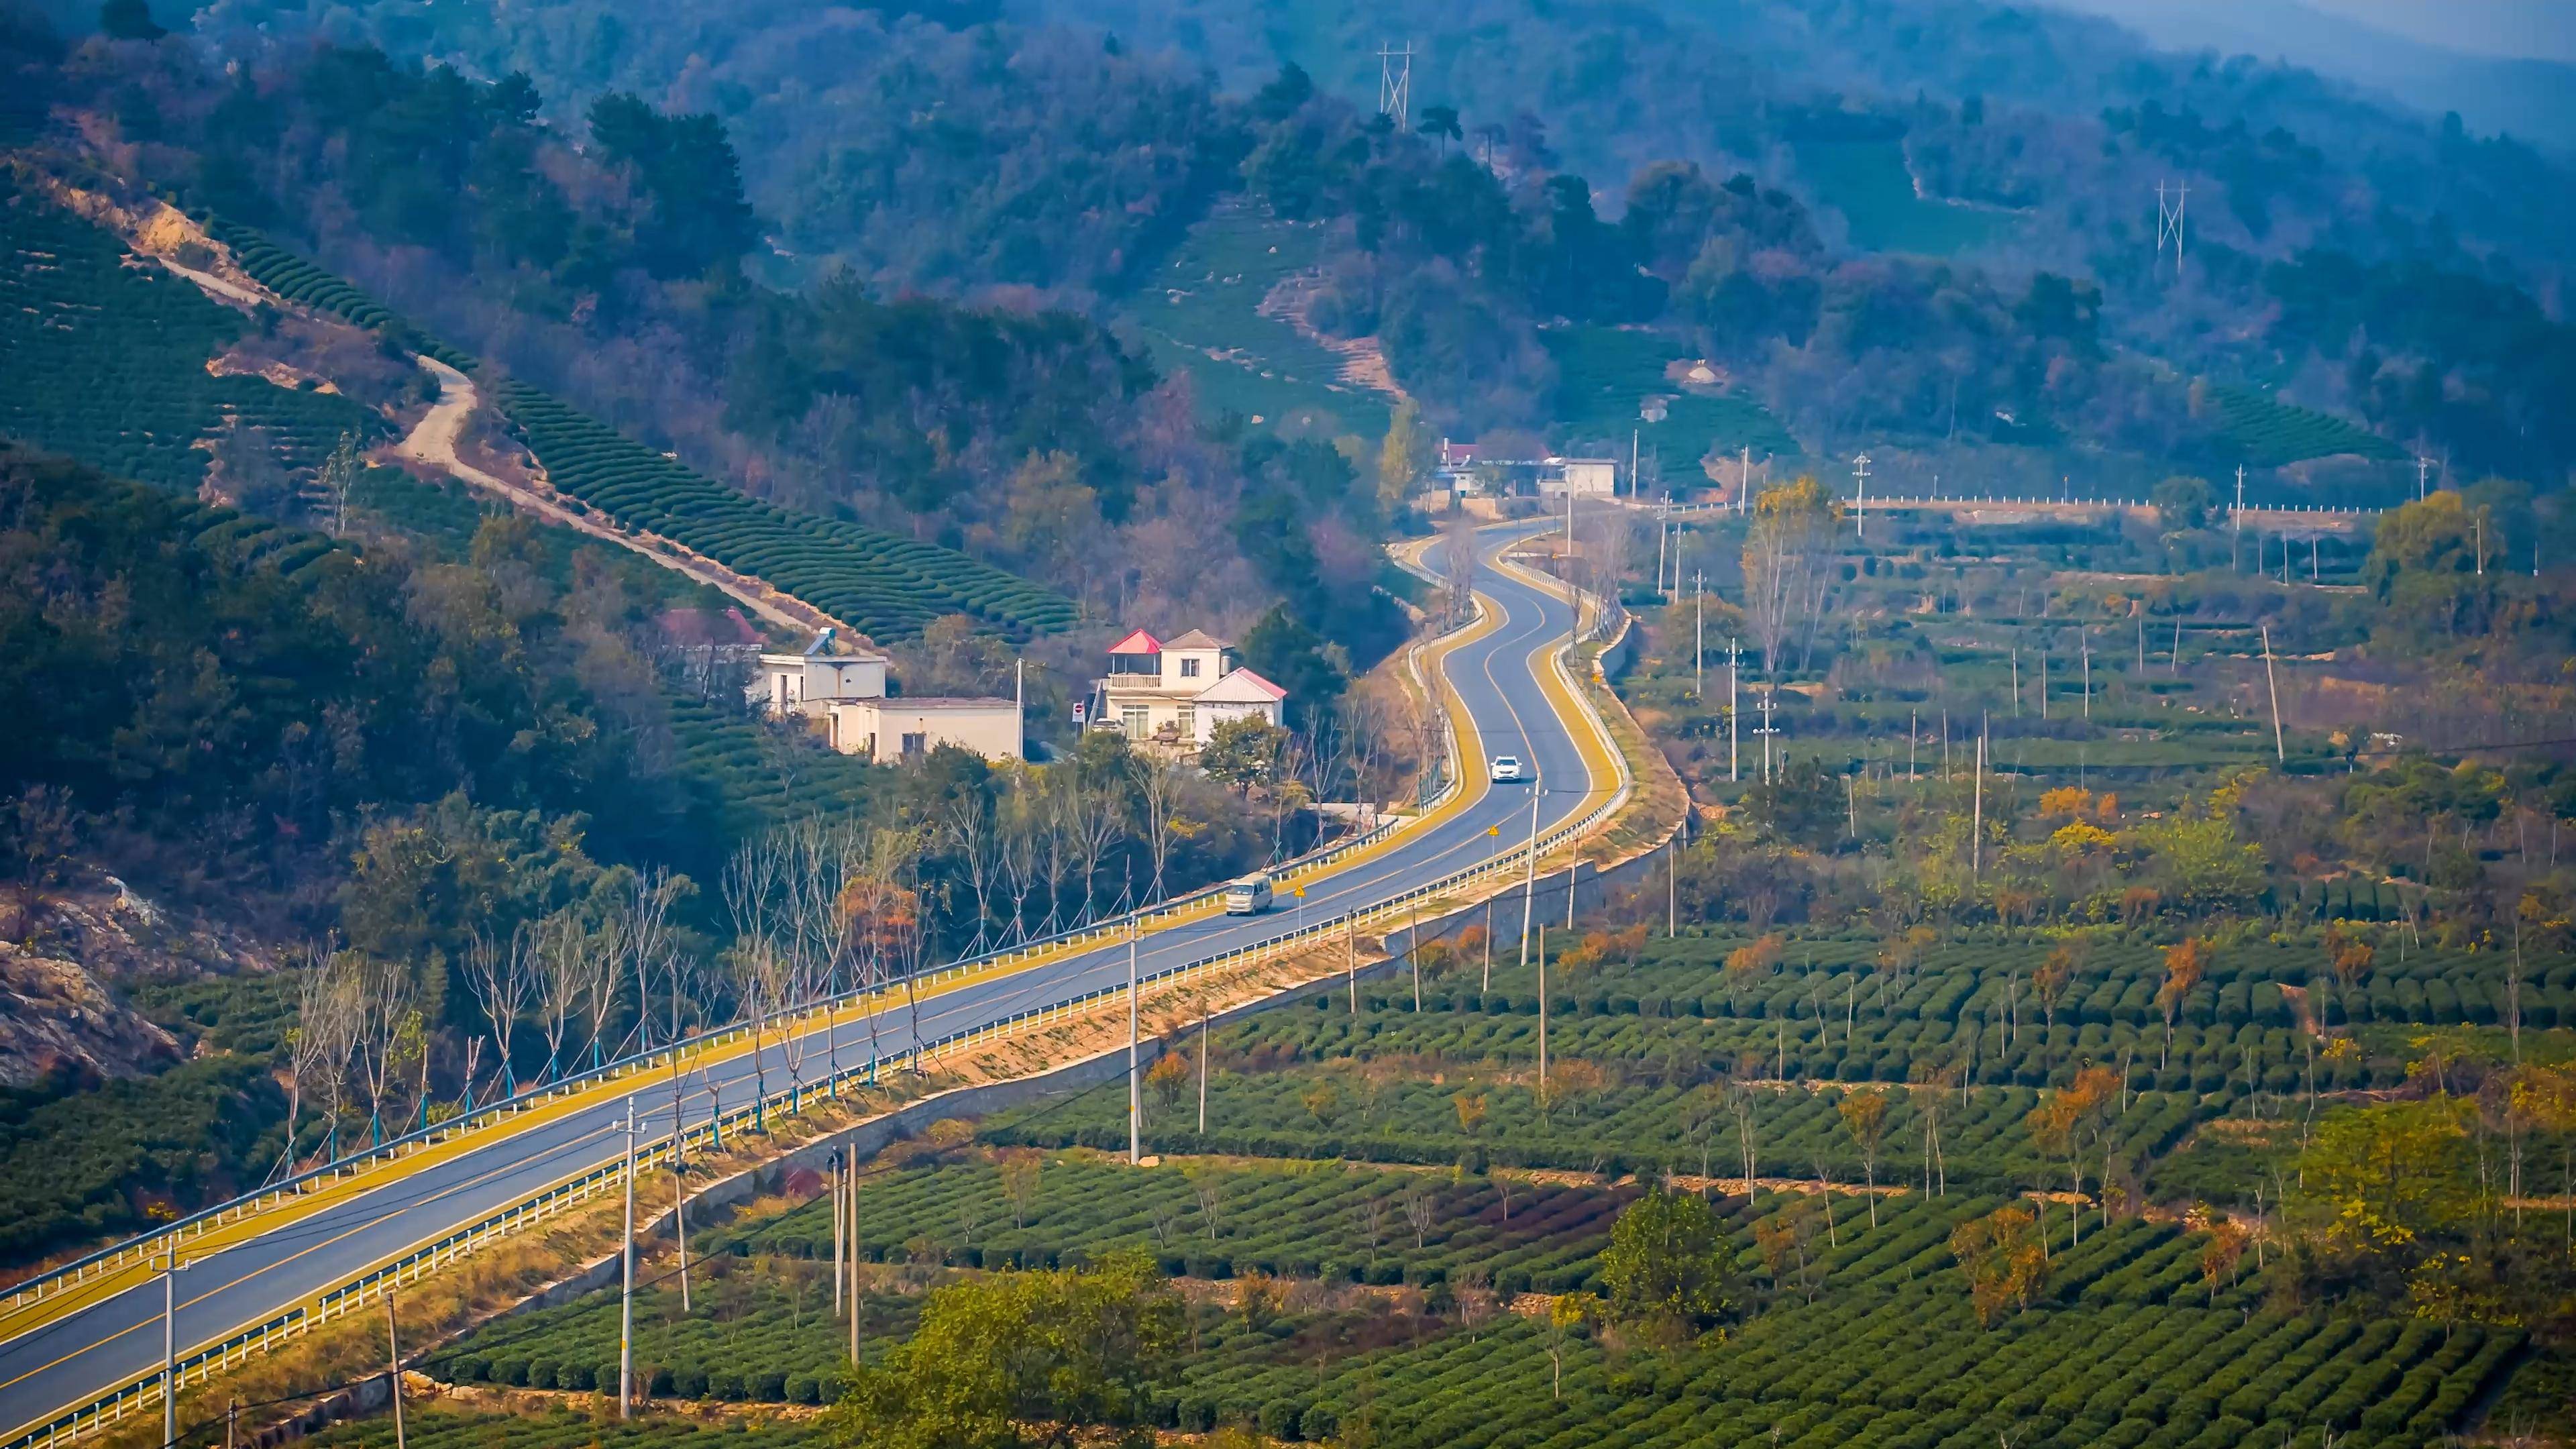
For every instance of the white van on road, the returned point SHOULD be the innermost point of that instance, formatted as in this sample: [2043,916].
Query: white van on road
[1249,896]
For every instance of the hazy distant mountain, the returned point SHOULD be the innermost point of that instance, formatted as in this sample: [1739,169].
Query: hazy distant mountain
[2524,86]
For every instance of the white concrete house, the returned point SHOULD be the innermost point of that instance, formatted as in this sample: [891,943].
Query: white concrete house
[1242,694]
[1583,477]
[845,695]
[810,682]
[889,731]
[1175,694]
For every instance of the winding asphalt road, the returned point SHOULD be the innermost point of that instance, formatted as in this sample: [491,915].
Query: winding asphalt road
[77,1358]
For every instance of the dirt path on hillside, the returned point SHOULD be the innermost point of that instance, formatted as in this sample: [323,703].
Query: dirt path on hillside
[1363,363]
[432,443]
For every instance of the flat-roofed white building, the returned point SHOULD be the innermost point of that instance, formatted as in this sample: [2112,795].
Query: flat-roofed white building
[844,694]
[809,682]
[1583,477]
[905,727]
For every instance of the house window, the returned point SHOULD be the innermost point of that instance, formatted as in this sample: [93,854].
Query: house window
[914,744]
[1132,719]
[1189,722]
[1189,669]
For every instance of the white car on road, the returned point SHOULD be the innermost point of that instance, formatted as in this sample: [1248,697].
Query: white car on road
[1507,768]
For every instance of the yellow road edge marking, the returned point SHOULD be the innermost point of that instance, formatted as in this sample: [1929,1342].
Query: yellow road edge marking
[54,1308]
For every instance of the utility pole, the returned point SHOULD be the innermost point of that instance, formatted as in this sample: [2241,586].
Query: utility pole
[2279,753]
[2422,466]
[1766,730]
[1135,1087]
[2016,681]
[840,1286]
[1487,984]
[1203,1065]
[852,1203]
[626,1285]
[1860,495]
[1571,867]
[2086,637]
[1673,881]
[393,1365]
[1542,1011]
[1529,885]
[1632,463]
[1351,961]
[1913,727]
[1977,821]
[1699,629]
[1663,545]
[1744,481]
[1734,671]
[679,1171]
[1413,952]
[170,1348]
[2237,522]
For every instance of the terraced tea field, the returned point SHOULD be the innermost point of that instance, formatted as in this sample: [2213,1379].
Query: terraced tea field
[2271,434]
[1869,183]
[1201,315]
[886,586]
[1851,1331]
[107,357]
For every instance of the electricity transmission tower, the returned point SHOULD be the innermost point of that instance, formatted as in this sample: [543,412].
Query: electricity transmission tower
[1395,84]
[2169,222]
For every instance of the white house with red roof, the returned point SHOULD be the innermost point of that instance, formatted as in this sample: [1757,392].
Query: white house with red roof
[1174,693]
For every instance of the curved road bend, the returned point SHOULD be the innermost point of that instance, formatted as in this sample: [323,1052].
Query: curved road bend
[84,1355]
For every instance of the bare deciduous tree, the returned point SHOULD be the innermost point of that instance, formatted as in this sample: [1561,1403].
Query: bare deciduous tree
[1158,794]
[504,984]
[390,1038]
[319,1044]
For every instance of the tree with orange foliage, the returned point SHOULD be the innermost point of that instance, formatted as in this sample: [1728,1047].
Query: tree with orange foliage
[1753,960]
[1593,950]
[2067,1120]
[1864,1114]
[2049,983]
[2186,961]
[2002,1257]
[2350,958]
[1629,944]
[2066,802]
[2220,1255]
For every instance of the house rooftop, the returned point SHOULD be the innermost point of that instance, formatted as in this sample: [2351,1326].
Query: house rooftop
[1138,642]
[1196,639]
[1242,687]
[936,701]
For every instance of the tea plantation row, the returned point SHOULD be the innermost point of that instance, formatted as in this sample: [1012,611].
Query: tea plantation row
[884,585]
[107,359]
[1983,1140]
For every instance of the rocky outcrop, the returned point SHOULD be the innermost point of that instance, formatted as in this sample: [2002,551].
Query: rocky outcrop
[62,1002]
